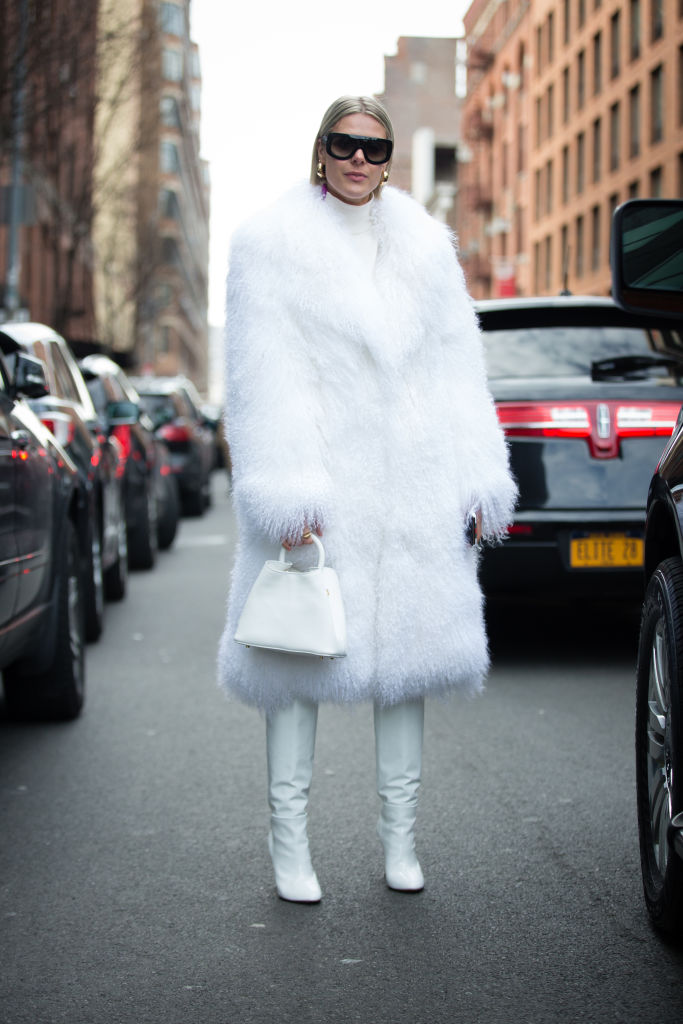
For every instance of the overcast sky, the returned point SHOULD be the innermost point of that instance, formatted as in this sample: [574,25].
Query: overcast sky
[270,69]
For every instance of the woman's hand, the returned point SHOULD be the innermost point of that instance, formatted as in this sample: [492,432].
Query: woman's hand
[288,543]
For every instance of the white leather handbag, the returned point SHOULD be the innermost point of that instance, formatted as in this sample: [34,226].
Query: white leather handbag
[297,611]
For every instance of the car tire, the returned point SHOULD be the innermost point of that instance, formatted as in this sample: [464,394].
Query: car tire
[142,549]
[167,526]
[116,577]
[659,744]
[59,691]
[193,502]
[94,584]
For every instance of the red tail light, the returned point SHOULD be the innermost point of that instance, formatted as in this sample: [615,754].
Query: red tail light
[602,424]
[175,432]
[124,437]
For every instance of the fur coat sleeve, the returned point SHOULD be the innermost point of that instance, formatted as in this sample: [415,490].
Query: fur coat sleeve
[280,476]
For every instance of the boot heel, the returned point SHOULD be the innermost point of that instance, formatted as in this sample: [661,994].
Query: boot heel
[295,879]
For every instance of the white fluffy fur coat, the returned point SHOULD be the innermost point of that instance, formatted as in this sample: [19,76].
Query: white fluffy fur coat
[362,405]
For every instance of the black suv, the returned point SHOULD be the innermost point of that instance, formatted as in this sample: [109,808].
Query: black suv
[647,269]
[43,530]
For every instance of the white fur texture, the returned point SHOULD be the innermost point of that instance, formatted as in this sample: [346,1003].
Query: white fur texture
[361,405]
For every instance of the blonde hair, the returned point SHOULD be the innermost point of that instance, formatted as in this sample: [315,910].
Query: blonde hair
[342,107]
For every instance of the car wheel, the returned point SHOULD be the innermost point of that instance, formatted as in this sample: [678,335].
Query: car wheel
[116,577]
[168,519]
[659,743]
[58,692]
[142,549]
[94,586]
[193,502]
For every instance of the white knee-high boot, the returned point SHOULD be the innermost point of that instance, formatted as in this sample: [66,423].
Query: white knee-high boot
[398,748]
[290,743]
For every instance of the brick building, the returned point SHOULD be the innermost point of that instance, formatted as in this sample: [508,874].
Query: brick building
[573,106]
[421,95]
[113,196]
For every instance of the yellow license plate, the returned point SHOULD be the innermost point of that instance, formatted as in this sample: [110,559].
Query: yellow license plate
[606,551]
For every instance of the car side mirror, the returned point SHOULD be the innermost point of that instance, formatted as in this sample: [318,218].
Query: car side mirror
[647,256]
[29,378]
[122,414]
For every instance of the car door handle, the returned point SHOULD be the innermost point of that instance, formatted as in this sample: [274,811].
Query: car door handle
[21,437]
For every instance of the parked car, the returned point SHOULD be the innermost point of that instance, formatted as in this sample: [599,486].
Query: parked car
[586,394]
[647,268]
[69,413]
[43,536]
[150,490]
[174,408]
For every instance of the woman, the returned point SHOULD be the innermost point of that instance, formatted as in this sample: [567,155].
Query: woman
[358,408]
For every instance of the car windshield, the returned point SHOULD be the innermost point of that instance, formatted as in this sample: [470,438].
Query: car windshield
[566,351]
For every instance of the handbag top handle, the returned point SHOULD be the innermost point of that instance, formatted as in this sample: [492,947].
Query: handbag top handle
[321,551]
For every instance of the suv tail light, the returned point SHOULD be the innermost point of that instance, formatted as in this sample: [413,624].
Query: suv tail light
[602,424]
[123,435]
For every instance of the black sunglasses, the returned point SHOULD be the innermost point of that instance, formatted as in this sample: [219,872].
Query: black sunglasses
[342,147]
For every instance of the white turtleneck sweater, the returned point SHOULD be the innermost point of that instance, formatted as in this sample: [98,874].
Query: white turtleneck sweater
[358,223]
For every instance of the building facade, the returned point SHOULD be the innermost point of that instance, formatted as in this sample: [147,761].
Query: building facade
[113,207]
[573,106]
[422,95]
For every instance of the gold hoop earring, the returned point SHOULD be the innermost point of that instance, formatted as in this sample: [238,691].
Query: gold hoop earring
[320,171]
[385,178]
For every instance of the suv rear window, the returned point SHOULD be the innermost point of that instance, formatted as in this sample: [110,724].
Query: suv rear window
[563,351]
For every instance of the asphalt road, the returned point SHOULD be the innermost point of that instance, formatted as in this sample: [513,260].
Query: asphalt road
[135,884]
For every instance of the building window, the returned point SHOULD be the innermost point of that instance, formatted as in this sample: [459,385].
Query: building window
[566,20]
[634,28]
[548,262]
[597,63]
[657,104]
[172,65]
[657,19]
[595,238]
[612,204]
[565,174]
[614,137]
[564,255]
[656,183]
[597,149]
[579,247]
[581,80]
[580,162]
[520,148]
[566,102]
[172,19]
[551,111]
[539,121]
[538,197]
[168,158]
[680,84]
[168,204]
[634,121]
[539,48]
[551,37]
[549,187]
[581,12]
[634,190]
[615,44]
[537,267]
[170,112]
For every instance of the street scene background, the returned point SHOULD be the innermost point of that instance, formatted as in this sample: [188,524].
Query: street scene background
[136,883]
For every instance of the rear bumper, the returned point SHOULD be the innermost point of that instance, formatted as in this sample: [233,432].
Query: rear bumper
[539,561]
